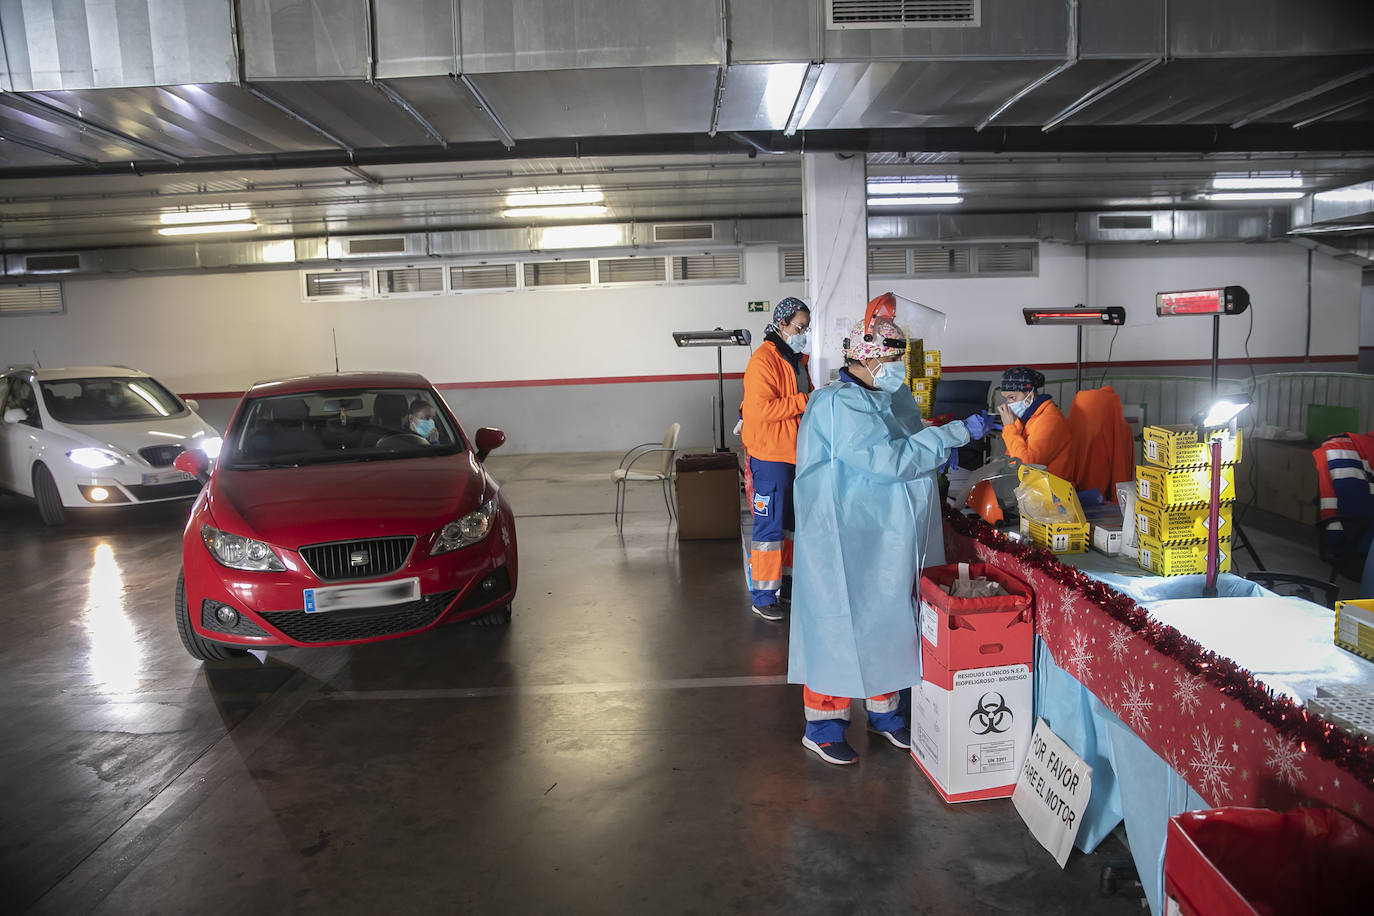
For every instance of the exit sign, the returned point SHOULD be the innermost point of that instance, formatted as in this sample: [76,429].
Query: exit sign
[759,306]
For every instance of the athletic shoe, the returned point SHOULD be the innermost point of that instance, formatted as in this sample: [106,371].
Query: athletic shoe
[770,612]
[899,738]
[836,752]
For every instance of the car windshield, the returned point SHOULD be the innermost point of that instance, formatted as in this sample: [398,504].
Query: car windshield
[322,427]
[108,400]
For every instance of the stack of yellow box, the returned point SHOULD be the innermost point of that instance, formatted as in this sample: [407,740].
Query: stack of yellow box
[920,376]
[1172,500]
[1355,626]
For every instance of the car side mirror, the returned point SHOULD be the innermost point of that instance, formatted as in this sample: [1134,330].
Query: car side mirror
[15,415]
[193,462]
[489,439]
[193,404]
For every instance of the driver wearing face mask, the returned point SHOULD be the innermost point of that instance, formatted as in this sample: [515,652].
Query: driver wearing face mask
[421,422]
[1033,428]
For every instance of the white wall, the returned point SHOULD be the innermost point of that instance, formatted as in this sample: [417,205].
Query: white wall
[221,332]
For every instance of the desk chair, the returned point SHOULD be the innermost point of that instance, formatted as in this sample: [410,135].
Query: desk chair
[625,473]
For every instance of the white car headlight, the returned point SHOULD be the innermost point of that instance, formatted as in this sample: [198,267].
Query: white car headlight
[467,530]
[94,458]
[238,552]
[211,447]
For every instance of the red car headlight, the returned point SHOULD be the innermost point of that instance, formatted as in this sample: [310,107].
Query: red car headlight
[466,531]
[238,552]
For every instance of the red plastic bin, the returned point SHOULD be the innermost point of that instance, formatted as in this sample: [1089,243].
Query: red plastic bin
[963,633]
[1249,861]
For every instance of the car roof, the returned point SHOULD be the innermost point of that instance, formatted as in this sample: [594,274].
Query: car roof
[326,381]
[85,372]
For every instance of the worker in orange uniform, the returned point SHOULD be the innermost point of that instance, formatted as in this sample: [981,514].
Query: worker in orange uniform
[776,386]
[1033,428]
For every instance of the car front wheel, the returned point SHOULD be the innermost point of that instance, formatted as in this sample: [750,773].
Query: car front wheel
[199,648]
[49,500]
[496,618]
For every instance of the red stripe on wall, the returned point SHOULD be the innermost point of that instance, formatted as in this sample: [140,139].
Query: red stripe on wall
[711,376]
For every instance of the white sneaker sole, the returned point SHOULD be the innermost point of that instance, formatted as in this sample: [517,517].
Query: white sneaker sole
[891,739]
[820,752]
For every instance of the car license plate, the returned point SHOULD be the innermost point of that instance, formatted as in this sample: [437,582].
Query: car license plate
[161,477]
[371,594]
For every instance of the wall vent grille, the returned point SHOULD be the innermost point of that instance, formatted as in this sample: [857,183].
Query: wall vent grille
[51,263]
[483,276]
[629,270]
[31,299]
[557,273]
[1125,221]
[342,284]
[392,245]
[903,14]
[411,280]
[1006,259]
[708,267]
[793,263]
[685,232]
[887,260]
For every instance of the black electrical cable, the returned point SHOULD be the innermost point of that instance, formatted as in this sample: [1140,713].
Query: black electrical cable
[1103,380]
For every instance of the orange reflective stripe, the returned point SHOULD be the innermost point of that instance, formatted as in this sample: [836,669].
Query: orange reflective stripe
[824,702]
[765,565]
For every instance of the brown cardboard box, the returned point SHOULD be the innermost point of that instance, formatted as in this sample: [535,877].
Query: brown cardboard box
[1281,477]
[708,496]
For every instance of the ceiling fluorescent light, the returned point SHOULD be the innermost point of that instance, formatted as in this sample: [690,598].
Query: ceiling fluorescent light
[913,187]
[1256,182]
[217,215]
[913,201]
[554,197]
[207,228]
[553,212]
[1254,195]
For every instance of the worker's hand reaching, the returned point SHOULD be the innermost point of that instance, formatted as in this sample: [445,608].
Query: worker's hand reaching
[1004,411]
[977,425]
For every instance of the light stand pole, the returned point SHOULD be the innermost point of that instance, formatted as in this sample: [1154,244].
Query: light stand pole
[1210,424]
[718,338]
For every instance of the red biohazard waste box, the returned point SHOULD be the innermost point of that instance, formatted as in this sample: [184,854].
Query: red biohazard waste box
[961,633]
[1248,861]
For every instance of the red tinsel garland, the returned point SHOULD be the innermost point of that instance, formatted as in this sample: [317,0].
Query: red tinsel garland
[1352,753]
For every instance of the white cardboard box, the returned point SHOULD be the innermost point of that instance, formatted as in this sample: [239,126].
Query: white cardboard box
[1107,540]
[970,729]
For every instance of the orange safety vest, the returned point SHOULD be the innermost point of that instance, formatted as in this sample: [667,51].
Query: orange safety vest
[772,406]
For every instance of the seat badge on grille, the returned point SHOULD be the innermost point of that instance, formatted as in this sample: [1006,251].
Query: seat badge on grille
[359,558]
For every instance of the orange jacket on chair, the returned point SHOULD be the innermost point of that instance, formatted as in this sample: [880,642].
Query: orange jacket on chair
[772,406]
[1103,449]
[1042,438]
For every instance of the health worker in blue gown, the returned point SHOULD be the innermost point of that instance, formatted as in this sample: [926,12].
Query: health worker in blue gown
[868,518]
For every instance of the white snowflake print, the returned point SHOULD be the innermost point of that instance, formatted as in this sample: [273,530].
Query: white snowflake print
[1080,658]
[1067,610]
[1283,760]
[1186,692]
[1210,767]
[1135,706]
[1174,758]
[1119,641]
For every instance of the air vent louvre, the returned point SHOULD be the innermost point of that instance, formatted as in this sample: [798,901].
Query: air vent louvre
[793,263]
[938,259]
[392,245]
[685,232]
[707,267]
[557,273]
[50,263]
[887,260]
[31,298]
[411,280]
[482,276]
[903,14]
[343,284]
[1006,259]
[1125,221]
[629,270]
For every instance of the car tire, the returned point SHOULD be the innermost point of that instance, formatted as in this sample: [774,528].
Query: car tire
[49,499]
[496,618]
[199,648]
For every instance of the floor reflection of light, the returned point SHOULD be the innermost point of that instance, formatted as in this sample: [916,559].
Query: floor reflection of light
[115,653]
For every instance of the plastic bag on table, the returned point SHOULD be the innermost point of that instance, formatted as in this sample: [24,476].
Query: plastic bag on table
[966,587]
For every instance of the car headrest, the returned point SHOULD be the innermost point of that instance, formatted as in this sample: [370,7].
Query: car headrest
[390,409]
[294,409]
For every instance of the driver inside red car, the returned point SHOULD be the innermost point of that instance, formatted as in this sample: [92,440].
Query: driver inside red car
[420,420]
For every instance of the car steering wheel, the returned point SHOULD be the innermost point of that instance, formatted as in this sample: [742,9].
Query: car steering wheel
[401,440]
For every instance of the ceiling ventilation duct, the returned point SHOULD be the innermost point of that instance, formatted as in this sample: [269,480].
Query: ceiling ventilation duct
[52,263]
[903,14]
[410,245]
[683,232]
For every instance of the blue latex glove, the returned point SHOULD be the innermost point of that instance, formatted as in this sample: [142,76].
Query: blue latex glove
[951,462]
[977,425]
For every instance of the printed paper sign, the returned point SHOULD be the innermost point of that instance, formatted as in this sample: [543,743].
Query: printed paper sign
[930,624]
[1052,790]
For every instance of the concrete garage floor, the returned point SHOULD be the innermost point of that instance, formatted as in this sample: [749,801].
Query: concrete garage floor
[627,745]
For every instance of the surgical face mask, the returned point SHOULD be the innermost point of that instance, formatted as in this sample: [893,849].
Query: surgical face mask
[424,427]
[797,342]
[1019,408]
[889,377]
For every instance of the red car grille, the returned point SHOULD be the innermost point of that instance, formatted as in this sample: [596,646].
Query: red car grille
[361,623]
[357,559]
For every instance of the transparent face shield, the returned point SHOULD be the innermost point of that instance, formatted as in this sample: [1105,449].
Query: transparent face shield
[920,326]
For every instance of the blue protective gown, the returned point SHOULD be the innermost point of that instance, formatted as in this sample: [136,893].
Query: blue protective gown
[868,515]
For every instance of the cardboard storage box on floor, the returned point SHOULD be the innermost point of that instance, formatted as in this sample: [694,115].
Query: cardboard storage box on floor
[708,496]
[1280,477]
[972,713]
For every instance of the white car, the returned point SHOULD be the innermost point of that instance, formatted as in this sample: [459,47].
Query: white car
[95,436]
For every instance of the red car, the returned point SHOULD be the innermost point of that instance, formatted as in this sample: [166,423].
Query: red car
[344,508]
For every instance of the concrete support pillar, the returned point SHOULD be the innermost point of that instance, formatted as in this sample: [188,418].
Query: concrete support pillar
[835,222]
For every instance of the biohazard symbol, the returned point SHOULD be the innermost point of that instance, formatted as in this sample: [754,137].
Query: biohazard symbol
[992,715]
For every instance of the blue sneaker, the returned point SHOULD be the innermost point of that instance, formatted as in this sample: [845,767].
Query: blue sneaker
[836,752]
[900,737]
